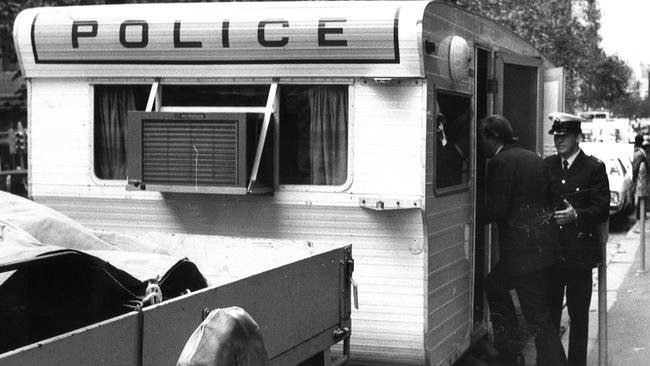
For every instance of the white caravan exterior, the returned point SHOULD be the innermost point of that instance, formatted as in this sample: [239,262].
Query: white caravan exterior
[399,66]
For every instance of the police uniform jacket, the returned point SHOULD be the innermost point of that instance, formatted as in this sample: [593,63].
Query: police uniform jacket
[586,187]
[519,202]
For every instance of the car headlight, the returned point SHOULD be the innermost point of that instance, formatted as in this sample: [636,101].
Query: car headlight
[614,197]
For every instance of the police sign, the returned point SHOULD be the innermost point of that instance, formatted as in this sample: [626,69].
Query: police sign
[205,34]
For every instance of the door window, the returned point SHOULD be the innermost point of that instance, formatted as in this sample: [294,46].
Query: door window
[452,143]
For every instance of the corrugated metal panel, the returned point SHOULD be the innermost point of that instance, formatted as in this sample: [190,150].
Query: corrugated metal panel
[388,139]
[59,133]
[223,39]
[448,217]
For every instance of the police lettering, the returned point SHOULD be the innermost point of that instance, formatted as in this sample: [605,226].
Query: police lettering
[135,33]
[76,33]
[177,38]
[144,34]
[323,30]
[261,26]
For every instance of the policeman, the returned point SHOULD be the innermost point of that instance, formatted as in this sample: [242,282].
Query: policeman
[580,194]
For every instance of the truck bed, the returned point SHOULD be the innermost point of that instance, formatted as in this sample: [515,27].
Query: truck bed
[298,293]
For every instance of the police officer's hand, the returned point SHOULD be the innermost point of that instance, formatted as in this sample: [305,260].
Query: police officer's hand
[566,215]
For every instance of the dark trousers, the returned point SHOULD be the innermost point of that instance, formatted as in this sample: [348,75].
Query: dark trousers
[577,284]
[532,293]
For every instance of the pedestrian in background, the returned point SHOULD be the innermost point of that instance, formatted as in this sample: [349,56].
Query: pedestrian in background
[519,202]
[580,191]
[639,156]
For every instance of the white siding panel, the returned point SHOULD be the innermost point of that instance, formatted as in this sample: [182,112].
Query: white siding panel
[388,246]
[59,135]
[389,324]
[388,140]
[447,218]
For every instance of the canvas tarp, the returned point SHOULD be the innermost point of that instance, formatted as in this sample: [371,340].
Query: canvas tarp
[59,276]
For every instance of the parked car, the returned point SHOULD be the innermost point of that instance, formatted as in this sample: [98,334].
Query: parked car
[618,162]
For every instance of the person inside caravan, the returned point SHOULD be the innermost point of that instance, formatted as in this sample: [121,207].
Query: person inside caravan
[447,159]
[452,143]
[580,192]
[518,201]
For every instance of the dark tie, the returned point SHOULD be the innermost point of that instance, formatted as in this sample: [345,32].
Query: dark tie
[565,165]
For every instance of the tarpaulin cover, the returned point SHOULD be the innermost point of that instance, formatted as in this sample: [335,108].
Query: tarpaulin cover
[64,276]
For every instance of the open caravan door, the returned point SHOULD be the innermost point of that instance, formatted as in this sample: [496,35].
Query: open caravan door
[518,95]
[553,102]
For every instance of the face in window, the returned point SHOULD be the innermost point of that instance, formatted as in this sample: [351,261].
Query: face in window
[452,142]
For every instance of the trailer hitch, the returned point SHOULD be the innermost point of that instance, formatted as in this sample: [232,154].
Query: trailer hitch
[340,334]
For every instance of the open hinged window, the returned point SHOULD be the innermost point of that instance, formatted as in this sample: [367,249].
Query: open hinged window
[239,139]
[203,140]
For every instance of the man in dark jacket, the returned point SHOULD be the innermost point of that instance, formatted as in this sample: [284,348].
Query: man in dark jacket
[518,201]
[640,156]
[580,190]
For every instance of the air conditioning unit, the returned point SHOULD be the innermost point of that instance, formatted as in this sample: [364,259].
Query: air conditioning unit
[187,152]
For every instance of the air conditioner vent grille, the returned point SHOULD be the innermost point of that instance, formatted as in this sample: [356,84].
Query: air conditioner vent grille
[190,152]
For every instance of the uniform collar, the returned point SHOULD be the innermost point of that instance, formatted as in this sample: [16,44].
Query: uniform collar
[571,158]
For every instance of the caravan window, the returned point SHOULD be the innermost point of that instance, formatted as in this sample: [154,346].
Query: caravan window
[214,95]
[313,134]
[112,103]
[313,127]
[452,144]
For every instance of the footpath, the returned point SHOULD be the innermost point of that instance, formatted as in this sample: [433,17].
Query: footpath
[628,308]
[628,304]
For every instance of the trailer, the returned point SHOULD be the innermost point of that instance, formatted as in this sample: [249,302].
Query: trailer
[339,121]
[74,296]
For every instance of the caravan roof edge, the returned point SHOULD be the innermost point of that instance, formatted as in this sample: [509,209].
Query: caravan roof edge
[265,39]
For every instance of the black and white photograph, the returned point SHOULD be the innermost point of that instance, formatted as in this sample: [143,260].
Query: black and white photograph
[324,183]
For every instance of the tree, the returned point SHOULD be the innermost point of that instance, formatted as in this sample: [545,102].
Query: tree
[606,85]
[563,38]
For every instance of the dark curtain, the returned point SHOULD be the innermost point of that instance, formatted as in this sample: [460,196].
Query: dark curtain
[328,134]
[111,106]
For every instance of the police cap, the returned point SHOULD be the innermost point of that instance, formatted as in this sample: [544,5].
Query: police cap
[564,123]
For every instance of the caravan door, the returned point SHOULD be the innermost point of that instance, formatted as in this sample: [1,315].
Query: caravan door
[553,102]
[518,96]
